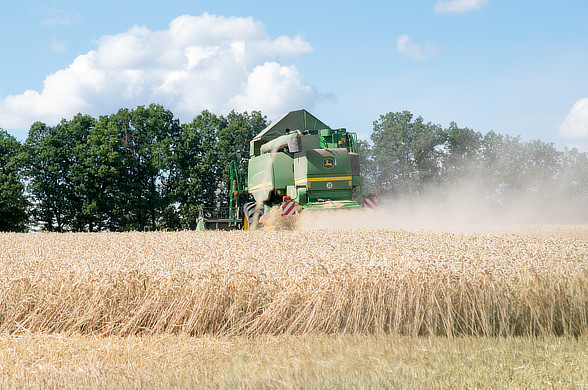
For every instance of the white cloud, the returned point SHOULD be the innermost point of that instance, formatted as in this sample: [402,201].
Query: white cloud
[200,62]
[416,52]
[458,6]
[575,125]
[273,86]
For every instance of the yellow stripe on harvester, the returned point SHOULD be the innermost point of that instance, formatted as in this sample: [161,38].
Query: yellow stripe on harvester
[334,178]
[260,187]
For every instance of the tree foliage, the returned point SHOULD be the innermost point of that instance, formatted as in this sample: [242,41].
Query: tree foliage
[205,147]
[133,170]
[406,153]
[411,156]
[13,202]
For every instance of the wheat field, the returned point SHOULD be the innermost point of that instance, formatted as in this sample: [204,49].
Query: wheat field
[529,283]
[311,361]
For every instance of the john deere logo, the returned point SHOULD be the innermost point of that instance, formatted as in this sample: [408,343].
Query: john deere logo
[328,163]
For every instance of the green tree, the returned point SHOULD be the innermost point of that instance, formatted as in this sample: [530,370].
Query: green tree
[107,174]
[73,136]
[104,167]
[572,177]
[13,201]
[57,175]
[572,185]
[367,165]
[503,165]
[146,139]
[46,172]
[194,178]
[407,153]
[542,162]
[202,155]
[462,156]
[235,136]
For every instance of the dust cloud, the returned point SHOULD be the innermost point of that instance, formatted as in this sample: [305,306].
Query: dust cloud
[461,209]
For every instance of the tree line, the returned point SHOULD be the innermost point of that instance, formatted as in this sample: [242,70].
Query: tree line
[411,158]
[142,169]
[137,169]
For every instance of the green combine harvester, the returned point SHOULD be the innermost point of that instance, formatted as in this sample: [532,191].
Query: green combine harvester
[296,161]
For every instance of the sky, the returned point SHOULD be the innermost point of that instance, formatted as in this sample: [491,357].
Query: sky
[514,67]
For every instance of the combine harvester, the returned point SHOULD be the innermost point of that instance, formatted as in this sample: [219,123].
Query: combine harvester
[296,163]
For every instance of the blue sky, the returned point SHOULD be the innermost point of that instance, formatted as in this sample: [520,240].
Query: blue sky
[515,67]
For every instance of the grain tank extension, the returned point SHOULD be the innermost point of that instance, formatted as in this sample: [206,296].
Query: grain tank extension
[301,159]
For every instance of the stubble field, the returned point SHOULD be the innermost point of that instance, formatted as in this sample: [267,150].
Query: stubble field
[323,308]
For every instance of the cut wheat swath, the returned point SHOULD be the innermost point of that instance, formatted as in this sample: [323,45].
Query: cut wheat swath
[251,283]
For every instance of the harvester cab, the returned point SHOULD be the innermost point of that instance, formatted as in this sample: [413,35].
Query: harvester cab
[296,161]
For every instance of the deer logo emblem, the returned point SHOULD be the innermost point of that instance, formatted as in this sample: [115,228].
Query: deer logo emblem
[328,163]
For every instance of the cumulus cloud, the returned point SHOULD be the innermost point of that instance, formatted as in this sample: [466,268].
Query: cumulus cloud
[406,47]
[458,6]
[274,87]
[200,62]
[575,125]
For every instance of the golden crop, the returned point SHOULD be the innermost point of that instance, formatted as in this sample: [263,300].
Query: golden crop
[273,282]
